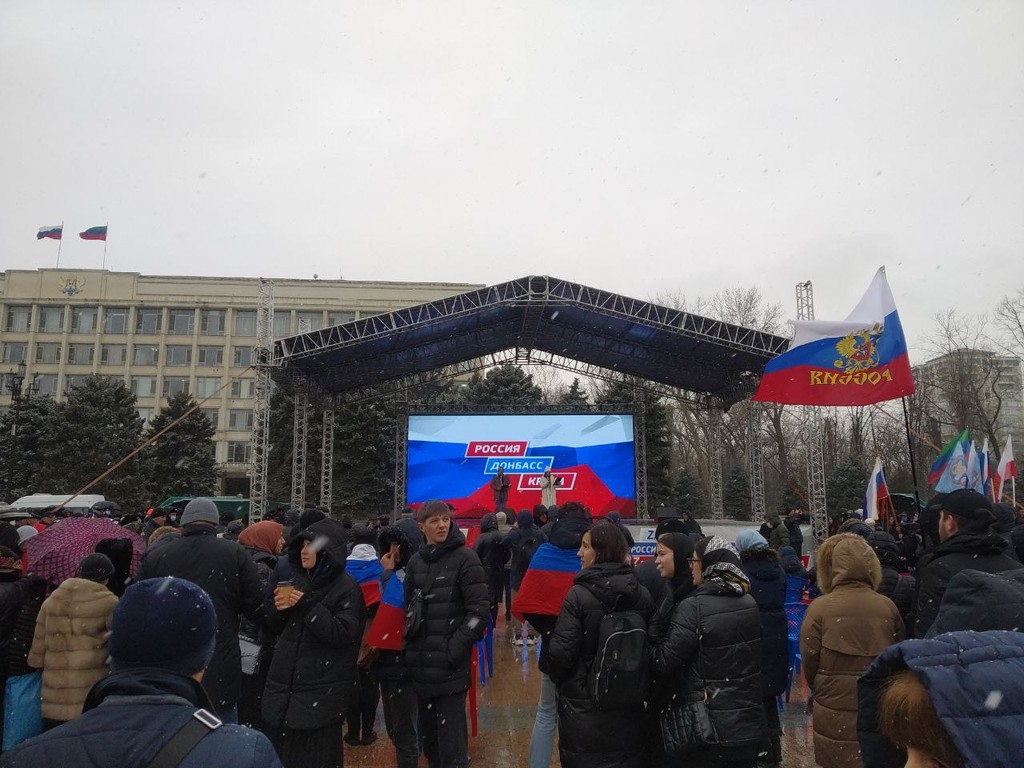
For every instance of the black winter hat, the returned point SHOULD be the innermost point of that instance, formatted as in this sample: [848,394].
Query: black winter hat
[362,534]
[970,506]
[165,623]
[95,567]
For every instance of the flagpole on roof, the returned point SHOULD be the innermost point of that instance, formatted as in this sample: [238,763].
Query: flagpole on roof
[107,226]
[60,240]
[910,447]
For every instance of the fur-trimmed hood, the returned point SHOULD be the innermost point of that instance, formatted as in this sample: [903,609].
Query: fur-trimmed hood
[847,559]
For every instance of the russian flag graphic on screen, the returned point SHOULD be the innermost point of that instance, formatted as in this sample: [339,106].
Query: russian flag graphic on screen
[454,457]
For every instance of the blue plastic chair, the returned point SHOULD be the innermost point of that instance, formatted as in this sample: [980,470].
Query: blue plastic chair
[485,652]
[794,619]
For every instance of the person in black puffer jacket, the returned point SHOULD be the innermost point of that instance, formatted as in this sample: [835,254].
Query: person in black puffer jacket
[312,676]
[455,610]
[796,536]
[588,736]
[898,587]
[492,556]
[768,588]
[711,643]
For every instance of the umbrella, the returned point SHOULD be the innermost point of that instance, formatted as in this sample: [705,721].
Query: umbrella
[106,509]
[56,552]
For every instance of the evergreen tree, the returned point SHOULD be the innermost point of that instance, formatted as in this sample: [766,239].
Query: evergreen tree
[23,430]
[504,385]
[94,428]
[689,493]
[845,486]
[736,495]
[364,458]
[574,395]
[182,461]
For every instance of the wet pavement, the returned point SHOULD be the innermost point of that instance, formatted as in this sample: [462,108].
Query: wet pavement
[506,707]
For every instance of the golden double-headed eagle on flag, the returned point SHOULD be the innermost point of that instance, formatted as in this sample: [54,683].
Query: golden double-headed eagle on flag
[859,351]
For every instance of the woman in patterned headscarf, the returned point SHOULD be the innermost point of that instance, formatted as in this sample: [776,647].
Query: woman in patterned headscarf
[708,648]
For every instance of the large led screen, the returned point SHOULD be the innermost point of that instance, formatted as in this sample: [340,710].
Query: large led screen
[454,457]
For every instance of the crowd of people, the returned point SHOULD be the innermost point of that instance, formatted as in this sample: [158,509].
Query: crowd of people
[275,643]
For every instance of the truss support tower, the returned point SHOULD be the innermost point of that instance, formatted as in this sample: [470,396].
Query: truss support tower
[259,443]
[300,430]
[715,429]
[640,446]
[814,439]
[755,453]
[327,460]
[401,450]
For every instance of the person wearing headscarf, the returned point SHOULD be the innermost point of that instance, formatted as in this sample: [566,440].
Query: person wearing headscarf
[706,646]
[842,633]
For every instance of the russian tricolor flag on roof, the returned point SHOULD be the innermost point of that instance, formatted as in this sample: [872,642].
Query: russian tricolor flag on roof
[857,361]
[546,582]
[54,233]
[386,630]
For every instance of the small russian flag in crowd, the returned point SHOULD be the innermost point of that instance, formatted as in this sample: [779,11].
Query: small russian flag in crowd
[54,233]
[386,630]
[546,582]
[876,500]
[94,233]
[367,573]
[1007,469]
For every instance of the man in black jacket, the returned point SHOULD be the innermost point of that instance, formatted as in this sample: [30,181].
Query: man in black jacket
[227,574]
[447,581]
[967,540]
[492,556]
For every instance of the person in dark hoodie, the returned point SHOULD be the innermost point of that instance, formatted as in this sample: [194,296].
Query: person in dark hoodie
[447,583]
[492,556]
[796,536]
[967,541]
[319,623]
[898,587]
[979,601]
[768,588]
[797,577]
[522,541]
[647,572]
[588,736]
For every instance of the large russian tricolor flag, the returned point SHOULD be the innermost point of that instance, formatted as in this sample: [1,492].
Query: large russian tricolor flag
[386,630]
[546,582]
[94,233]
[857,361]
[54,233]
[367,573]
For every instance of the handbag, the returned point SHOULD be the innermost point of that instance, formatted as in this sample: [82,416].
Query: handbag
[688,724]
[23,714]
[250,651]
[415,609]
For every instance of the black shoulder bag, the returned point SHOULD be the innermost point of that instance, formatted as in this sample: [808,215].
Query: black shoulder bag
[416,608]
[185,740]
[688,724]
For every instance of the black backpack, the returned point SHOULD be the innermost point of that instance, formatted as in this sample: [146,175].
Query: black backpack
[618,675]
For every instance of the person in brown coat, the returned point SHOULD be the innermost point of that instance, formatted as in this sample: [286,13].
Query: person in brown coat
[70,641]
[842,633]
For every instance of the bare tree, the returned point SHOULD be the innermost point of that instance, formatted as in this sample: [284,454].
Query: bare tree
[1009,318]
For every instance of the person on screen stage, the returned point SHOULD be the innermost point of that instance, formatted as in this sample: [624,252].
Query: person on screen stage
[549,488]
[499,486]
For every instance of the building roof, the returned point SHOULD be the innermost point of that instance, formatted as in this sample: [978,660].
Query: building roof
[532,319]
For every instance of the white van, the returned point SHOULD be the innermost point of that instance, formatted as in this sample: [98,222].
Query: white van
[73,504]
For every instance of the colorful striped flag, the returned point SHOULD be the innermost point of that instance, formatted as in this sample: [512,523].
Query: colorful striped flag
[939,466]
[876,500]
[54,233]
[94,233]
[546,582]
[985,471]
[386,630]
[1007,468]
[367,573]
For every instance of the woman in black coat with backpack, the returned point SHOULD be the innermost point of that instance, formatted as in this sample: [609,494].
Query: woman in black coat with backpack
[312,676]
[706,655]
[593,735]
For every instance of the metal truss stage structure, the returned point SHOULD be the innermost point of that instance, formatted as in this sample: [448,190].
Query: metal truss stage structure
[534,320]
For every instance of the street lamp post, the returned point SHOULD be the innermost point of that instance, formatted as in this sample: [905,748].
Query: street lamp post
[16,386]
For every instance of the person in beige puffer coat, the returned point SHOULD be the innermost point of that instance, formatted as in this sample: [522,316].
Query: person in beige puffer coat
[842,633]
[70,641]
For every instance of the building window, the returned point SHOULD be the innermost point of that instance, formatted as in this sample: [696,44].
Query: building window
[210,356]
[175,385]
[181,322]
[339,318]
[83,319]
[242,388]
[51,320]
[74,381]
[207,386]
[238,452]
[212,323]
[240,419]
[145,354]
[19,319]
[81,354]
[46,384]
[242,357]
[115,320]
[146,414]
[310,321]
[14,351]
[282,324]
[148,320]
[178,354]
[212,415]
[113,354]
[47,353]
[144,386]
[245,323]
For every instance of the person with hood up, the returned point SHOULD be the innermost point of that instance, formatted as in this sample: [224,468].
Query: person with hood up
[70,641]
[768,588]
[796,536]
[615,519]
[590,737]
[492,556]
[967,540]
[797,577]
[706,646]
[522,541]
[446,586]
[898,587]
[774,531]
[842,633]
[312,677]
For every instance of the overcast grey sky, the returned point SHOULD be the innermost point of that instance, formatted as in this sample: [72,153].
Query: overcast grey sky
[635,146]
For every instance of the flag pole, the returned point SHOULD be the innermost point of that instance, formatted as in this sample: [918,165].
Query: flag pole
[60,241]
[910,447]
[105,246]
